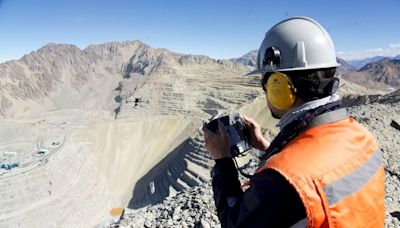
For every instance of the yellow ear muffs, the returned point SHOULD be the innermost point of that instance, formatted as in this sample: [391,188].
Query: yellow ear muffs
[280,91]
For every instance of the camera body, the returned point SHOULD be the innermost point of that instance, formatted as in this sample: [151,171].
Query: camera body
[237,133]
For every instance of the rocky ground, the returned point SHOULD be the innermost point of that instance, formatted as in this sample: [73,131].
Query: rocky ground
[195,207]
[378,118]
[190,208]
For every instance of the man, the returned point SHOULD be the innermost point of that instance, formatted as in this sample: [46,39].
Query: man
[323,169]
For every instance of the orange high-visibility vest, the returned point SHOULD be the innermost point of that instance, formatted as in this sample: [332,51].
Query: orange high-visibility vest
[337,171]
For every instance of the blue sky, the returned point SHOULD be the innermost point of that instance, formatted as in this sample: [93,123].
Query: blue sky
[217,28]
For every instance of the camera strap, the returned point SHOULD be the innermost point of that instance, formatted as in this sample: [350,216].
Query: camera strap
[240,170]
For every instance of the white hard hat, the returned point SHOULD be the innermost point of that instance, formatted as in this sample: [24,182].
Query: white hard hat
[297,43]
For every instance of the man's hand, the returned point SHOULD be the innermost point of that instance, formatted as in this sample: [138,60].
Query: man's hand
[217,144]
[257,140]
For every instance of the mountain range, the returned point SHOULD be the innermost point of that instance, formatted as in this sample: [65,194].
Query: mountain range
[360,63]
[382,73]
[117,77]
[249,59]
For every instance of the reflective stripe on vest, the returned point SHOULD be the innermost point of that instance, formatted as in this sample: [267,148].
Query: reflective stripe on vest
[352,182]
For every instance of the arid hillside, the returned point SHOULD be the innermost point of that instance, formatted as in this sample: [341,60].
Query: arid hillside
[122,78]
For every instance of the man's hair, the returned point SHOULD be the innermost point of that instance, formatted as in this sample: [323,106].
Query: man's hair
[308,81]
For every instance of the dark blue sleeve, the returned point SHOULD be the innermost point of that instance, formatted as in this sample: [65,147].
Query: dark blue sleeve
[269,202]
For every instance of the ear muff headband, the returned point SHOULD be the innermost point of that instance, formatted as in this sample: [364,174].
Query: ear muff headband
[280,91]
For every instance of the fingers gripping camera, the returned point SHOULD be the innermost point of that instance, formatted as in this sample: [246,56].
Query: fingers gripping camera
[236,130]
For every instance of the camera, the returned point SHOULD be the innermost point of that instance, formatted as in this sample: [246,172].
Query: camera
[237,132]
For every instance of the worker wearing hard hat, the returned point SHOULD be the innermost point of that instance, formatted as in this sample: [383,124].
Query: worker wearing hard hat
[323,169]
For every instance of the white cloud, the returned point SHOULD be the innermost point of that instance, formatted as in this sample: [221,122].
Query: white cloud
[390,51]
[394,45]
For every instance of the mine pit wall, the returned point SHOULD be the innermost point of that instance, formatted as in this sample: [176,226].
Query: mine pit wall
[126,150]
[146,160]
[189,164]
[185,166]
